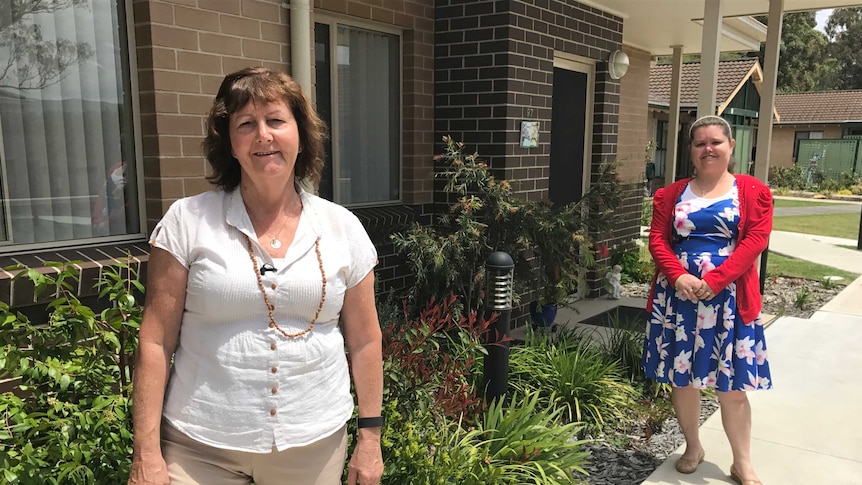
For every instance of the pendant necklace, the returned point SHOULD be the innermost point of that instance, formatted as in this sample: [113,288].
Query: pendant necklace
[274,241]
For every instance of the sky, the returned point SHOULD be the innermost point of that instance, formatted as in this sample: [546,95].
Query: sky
[822,17]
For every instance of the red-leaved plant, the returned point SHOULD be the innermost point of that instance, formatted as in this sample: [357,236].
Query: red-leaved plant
[437,353]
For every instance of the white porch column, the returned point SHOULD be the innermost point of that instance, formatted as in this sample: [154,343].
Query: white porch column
[673,117]
[709,58]
[767,90]
[300,44]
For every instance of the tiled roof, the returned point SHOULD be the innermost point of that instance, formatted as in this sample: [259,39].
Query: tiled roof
[820,107]
[731,74]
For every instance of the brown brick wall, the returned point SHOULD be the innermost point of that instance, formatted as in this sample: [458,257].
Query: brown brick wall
[781,154]
[634,116]
[184,49]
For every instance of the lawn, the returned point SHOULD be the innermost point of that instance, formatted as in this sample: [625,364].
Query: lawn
[834,225]
[803,203]
[778,265]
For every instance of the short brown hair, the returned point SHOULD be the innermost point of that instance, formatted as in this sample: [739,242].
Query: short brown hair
[261,85]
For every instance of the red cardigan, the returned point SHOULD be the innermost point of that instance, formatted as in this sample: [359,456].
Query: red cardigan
[755,224]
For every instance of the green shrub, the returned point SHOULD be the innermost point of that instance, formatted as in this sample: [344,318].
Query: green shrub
[551,246]
[71,423]
[571,374]
[646,212]
[636,266]
[791,178]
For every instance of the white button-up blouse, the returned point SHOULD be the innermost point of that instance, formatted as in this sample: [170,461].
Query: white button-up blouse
[236,383]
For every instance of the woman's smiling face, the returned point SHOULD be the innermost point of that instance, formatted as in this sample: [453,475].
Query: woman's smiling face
[711,150]
[264,138]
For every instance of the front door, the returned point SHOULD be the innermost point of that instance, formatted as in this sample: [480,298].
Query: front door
[571,111]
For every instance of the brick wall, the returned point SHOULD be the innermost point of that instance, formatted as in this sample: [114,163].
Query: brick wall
[183,53]
[634,122]
[494,61]
[781,152]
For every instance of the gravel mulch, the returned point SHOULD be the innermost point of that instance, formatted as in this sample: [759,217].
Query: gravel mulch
[630,458]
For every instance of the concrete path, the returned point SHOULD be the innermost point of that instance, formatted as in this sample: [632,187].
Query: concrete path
[817,249]
[807,429]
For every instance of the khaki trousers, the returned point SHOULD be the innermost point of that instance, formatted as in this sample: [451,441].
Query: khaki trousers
[193,463]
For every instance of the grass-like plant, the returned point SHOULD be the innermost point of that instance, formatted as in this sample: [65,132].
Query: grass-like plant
[802,298]
[828,282]
[626,345]
[518,442]
[573,374]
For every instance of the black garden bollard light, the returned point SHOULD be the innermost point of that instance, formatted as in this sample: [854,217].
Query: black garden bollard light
[498,299]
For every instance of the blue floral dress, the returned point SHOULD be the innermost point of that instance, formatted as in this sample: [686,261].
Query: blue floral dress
[704,344]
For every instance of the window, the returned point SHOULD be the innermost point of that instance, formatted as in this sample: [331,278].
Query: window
[358,77]
[67,157]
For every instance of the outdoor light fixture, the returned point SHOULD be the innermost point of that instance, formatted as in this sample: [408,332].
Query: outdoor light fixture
[498,299]
[618,64]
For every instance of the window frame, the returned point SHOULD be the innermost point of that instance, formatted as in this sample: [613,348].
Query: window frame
[126,24]
[333,20]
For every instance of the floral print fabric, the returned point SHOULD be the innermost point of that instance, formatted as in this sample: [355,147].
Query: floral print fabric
[704,344]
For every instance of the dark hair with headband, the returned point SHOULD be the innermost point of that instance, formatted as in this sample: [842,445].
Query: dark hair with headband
[711,120]
[261,86]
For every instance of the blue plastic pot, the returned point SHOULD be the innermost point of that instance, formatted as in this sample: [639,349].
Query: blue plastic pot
[543,315]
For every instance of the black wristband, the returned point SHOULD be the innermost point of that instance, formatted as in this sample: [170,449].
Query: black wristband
[375,422]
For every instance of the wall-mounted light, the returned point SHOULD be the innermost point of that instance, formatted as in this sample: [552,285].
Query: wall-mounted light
[618,64]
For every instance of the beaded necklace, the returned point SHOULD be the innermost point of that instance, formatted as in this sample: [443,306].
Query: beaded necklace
[269,305]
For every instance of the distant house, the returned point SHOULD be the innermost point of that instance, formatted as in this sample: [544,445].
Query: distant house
[737,101]
[827,115]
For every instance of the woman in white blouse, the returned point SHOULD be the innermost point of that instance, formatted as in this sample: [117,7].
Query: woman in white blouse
[254,288]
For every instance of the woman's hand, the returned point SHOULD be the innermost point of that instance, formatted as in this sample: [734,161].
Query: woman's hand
[149,469]
[687,287]
[366,464]
[704,292]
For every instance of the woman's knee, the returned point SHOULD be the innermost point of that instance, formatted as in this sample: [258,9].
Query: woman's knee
[732,397]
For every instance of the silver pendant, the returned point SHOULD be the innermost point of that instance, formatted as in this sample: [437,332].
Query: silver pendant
[274,243]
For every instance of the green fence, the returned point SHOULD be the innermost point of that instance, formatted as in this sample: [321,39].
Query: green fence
[830,157]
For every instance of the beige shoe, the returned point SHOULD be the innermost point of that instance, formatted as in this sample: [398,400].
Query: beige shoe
[735,477]
[687,465]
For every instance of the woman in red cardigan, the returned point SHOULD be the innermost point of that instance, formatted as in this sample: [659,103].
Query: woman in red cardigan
[705,329]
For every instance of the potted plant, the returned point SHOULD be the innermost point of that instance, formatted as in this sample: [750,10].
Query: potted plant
[562,254]
[551,245]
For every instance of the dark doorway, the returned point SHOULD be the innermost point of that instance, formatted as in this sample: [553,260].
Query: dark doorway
[568,119]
